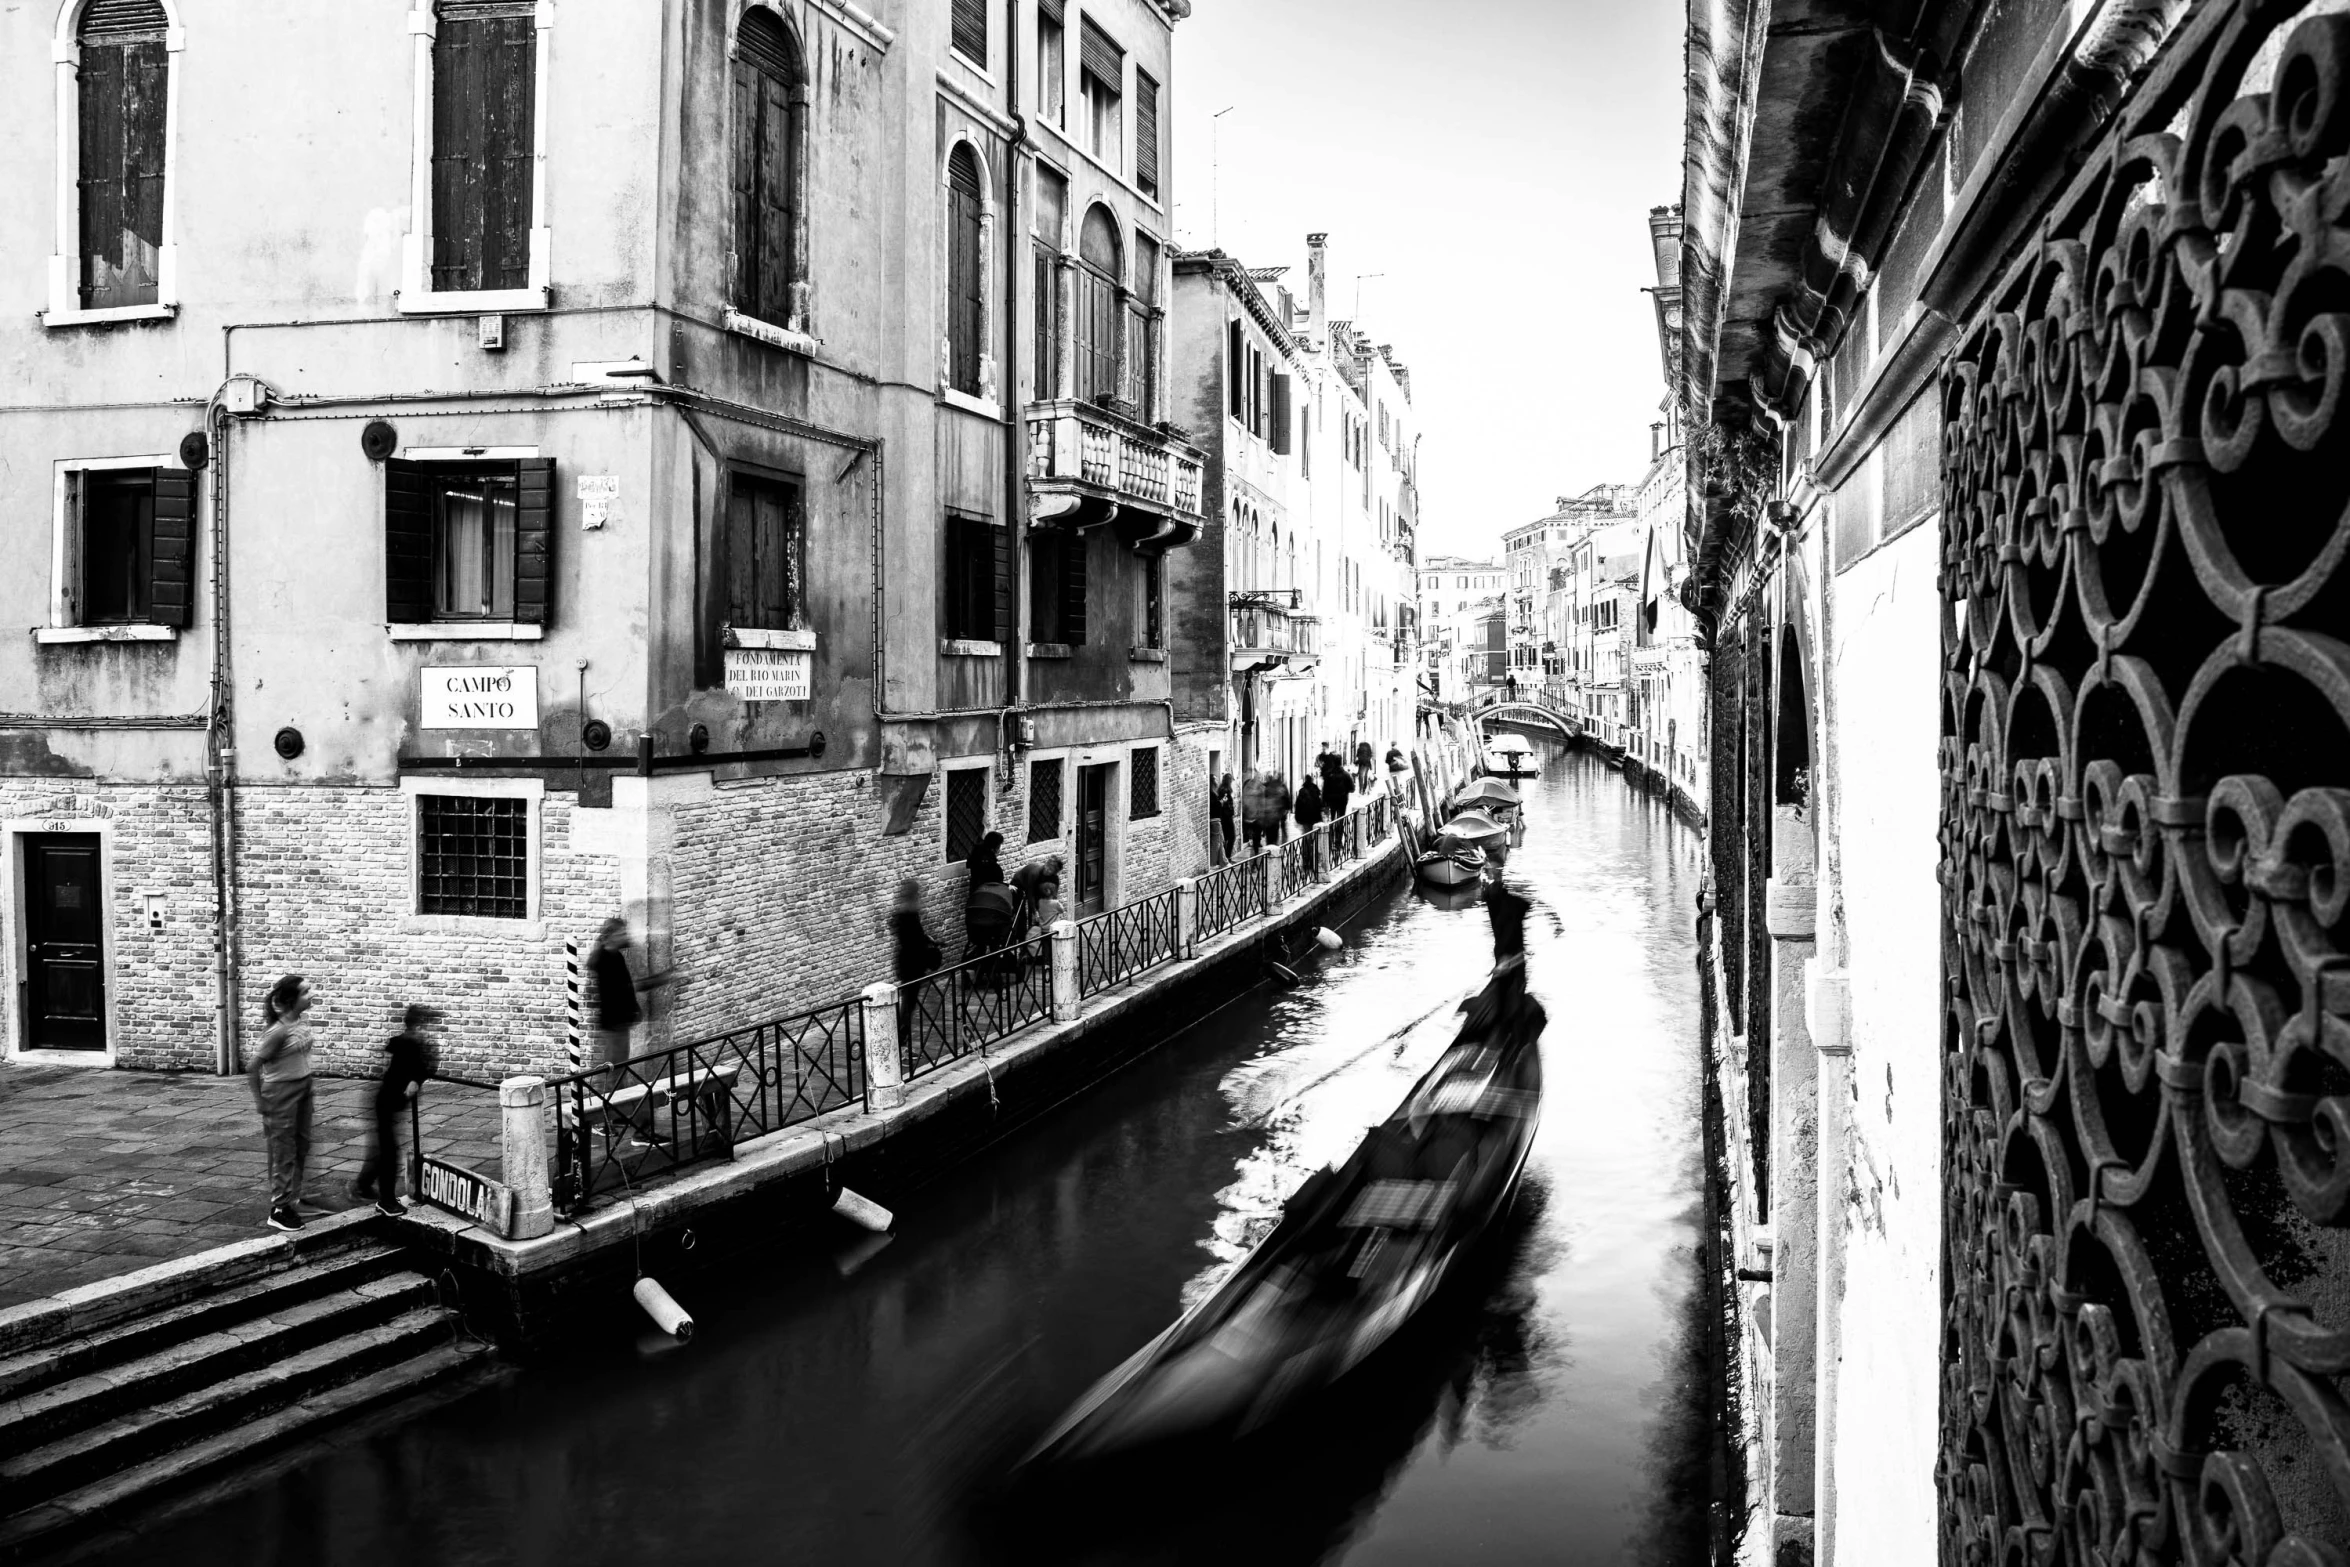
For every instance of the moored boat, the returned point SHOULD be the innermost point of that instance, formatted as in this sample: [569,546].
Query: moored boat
[1451,868]
[1511,756]
[1359,1249]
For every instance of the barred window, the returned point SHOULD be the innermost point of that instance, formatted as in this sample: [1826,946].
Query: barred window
[966,811]
[473,856]
[1044,800]
[1145,798]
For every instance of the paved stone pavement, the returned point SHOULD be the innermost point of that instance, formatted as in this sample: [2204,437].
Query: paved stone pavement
[103,1172]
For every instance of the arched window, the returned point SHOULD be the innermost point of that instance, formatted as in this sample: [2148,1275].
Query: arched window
[117,158]
[1100,320]
[966,276]
[770,88]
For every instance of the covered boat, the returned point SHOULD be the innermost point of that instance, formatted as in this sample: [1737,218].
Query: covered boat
[1458,865]
[1511,756]
[1358,1250]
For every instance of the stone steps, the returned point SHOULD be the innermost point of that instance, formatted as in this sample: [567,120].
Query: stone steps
[113,1409]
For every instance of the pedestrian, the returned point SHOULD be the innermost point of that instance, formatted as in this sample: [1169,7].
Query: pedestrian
[408,1062]
[914,956]
[280,1074]
[617,1009]
[1050,911]
[1308,810]
[1029,882]
[1337,787]
[1363,765]
[986,863]
[1220,821]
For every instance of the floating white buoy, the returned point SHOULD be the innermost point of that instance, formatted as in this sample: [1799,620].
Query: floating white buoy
[1331,941]
[862,1210]
[667,1313]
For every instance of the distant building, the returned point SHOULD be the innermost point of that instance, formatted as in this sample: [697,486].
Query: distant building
[1454,595]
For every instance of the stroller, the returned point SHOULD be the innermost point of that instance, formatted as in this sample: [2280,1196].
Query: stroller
[991,916]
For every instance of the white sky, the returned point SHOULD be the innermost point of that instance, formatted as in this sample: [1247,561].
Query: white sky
[1496,160]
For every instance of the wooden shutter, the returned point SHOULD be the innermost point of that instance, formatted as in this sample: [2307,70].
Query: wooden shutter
[1281,415]
[1000,549]
[1073,580]
[122,87]
[966,288]
[170,565]
[1146,133]
[765,130]
[1103,57]
[534,540]
[1237,367]
[408,504]
[970,30]
[485,71]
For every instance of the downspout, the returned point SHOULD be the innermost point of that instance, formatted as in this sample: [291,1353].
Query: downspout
[1015,427]
[220,763]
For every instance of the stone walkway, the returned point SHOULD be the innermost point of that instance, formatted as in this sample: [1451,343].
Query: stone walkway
[104,1172]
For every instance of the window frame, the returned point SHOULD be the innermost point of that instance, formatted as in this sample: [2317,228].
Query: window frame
[735,471]
[1060,761]
[1107,289]
[983,400]
[65,258]
[983,765]
[956,521]
[796,329]
[66,553]
[438,630]
[532,926]
[1158,771]
[416,295]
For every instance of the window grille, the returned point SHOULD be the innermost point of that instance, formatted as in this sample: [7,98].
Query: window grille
[1144,767]
[966,811]
[1044,800]
[473,856]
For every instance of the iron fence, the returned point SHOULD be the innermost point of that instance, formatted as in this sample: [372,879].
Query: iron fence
[1231,894]
[943,1017]
[670,1107]
[1298,857]
[1122,942]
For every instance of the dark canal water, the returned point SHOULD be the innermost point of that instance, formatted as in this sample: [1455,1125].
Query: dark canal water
[848,1407]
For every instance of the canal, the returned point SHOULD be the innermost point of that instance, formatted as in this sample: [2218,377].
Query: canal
[847,1402]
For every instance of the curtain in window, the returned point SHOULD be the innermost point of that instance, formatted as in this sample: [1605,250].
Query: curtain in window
[1100,318]
[966,287]
[767,80]
[123,84]
[474,554]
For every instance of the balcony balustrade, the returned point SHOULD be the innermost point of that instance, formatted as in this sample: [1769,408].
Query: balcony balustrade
[1090,464]
[1269,628]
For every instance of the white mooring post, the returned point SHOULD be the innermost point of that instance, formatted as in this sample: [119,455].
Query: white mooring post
[1186,916]
[885,1078]
[1065,997]
[522,1106]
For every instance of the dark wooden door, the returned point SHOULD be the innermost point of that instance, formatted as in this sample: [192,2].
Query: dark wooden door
[65,968]
[1093,838]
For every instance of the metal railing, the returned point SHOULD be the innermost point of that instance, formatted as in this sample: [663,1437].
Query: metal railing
[620,1123]
[967,1006]
[1225,897]
[1120,943]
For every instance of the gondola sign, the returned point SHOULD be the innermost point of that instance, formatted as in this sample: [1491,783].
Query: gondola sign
[481,696]
[476,1197]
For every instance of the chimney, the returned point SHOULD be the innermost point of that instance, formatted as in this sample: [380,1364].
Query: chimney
[1317,277]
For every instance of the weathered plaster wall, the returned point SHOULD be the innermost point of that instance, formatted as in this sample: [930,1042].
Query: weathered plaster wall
[1884,671]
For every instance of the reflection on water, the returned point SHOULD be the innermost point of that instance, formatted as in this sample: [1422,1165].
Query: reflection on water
[847,1402]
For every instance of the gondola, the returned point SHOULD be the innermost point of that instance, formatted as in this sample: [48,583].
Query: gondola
[1455,867]
[1358,1250]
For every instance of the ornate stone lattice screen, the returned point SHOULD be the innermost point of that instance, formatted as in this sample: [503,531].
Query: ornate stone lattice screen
[2146,836]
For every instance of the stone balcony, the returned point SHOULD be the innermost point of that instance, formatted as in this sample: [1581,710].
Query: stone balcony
[1090,464]
[1271,631]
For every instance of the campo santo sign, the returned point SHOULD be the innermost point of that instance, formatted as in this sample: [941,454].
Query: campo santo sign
[481,696]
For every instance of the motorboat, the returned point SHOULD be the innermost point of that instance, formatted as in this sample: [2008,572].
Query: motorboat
[1511,756]
[1359,1249]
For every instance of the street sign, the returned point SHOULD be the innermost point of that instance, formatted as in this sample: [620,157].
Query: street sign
[480,696]
[768,674]
[476,1197]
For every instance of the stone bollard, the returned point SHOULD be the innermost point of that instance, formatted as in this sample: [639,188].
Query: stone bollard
[522,1104]
[1186,916]
[885,1073]
[1066,1001]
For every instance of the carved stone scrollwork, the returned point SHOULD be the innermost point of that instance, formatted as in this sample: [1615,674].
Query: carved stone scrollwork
[2145,842]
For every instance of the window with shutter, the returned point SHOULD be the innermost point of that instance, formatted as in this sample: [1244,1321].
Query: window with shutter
[123,85]
[1281,417]
[766,553]
[1235,367]
[1146,133]
[969,31]
[117,546]
[1100,316]
[469,541]
[171,566]
[974,582]
[966,287]
[1148,325]
[1045,223]
[768,83]
[1102,73]
[1047,549]
[485,70]
[1052,65]
[1154,598]
[1073,590]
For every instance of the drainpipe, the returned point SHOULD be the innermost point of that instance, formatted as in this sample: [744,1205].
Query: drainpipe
[220,759]
[1015,427]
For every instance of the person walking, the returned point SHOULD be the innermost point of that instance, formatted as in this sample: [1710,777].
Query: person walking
[280,1074]
[987,861]
[408,1062]
[617,1009]
[1337,787]
[1308,810]
[1363,760]
[1220,821]
[914,956]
